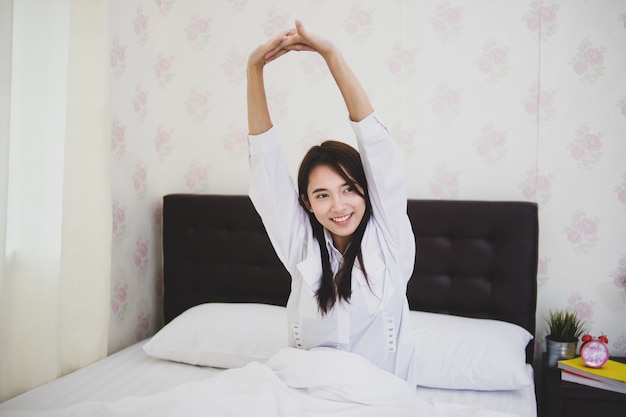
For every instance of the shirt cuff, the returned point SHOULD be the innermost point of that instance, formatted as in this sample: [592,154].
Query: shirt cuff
[263,143]
[370,129]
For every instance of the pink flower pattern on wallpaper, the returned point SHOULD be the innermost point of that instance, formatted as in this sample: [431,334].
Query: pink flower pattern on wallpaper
[235,142]
[586,147]
[234,67]
[275,22]
[163,70]
[237,5]
[118,58]
[445,183]
[446,103]
[197,177]
[402,63]
[140,26]
[313,67]
[119,300]
[118,139]
[582,233]
[621,191]
[448,21]
[198,31]
[140,180]
[491,144]
[197,105]
[584,309]
[140,102]
[359,23]
[537,186]
[619,276]
[405,139]
[539,103]
[143,327]
[588,63]
[493,61]
[163,142]
[164,6]
[140,257]
[541,20]
[118,220]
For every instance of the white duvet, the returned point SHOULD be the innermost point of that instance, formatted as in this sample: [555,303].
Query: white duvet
[318,382]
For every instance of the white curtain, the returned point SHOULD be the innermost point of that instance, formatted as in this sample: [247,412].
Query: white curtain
[55,205]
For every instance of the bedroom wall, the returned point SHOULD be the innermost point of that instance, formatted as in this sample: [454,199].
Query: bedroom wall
[494,100]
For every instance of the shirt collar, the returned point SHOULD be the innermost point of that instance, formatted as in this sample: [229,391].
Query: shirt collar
[330,246]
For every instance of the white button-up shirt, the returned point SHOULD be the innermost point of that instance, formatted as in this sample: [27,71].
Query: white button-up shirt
[375,322]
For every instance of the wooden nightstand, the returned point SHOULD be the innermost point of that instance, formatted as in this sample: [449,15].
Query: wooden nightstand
[567,399]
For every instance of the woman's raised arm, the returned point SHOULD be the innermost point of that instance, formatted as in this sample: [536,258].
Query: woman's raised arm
[259,119]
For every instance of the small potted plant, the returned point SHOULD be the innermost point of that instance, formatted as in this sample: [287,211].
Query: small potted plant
[564,330]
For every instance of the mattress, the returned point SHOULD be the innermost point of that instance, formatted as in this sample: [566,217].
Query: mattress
[131,372]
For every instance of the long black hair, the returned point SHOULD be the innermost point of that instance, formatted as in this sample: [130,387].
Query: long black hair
[346,162]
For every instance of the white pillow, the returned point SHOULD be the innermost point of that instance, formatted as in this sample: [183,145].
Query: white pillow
[465,353]
[222,335]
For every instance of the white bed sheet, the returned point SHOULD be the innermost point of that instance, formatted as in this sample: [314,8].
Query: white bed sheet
[131,372]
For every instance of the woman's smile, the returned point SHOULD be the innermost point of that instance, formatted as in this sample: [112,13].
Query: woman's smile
[343,219]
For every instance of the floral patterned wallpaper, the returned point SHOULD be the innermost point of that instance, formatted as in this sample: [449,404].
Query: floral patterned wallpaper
[496,100]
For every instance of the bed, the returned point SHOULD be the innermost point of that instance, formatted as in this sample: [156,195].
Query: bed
[223,349]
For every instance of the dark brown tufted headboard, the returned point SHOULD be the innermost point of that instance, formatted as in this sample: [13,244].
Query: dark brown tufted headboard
[474,258]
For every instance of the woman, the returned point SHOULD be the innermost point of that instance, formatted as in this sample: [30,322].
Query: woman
[344,237]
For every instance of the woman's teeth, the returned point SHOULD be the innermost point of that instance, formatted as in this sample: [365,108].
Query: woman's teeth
[341,219]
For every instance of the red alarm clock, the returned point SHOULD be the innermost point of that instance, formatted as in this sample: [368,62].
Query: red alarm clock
[594,351]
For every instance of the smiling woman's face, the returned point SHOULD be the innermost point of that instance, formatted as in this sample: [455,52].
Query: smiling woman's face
[335,204]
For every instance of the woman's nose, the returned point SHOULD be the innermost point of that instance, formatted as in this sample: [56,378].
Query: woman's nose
[338,203]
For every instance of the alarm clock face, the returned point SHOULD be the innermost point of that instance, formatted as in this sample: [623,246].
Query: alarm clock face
[594,353]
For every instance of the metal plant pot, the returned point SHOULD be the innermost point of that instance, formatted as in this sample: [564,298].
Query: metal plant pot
[559,350]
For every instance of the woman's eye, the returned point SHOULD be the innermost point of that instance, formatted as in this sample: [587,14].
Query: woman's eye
[319,196]
[347,190]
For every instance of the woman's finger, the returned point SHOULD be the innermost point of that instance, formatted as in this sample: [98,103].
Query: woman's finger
[300,28]
[276,55]
[300,47]
[276,45]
